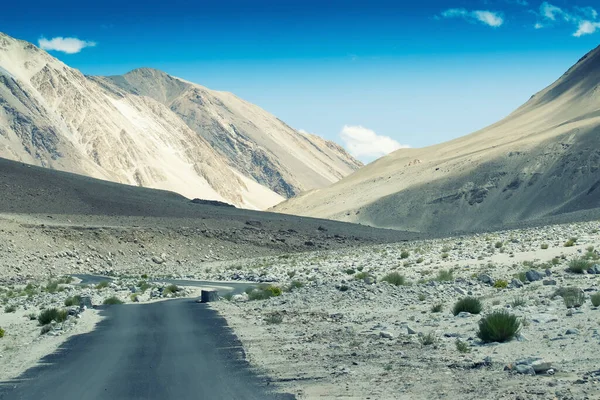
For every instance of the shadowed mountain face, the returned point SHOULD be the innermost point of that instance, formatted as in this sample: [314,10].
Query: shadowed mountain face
[541,163]
[149,129]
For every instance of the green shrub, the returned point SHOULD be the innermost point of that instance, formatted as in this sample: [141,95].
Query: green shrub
[2,332]
[349,271]
[572,297]
[113,300]
[420,260]
[52,287]
[73,301]
[171,289]
[274,318]
[444,256]
[467,304]
[501,284]
[296,285]
[10,309]
[404,254]
[133,297]
[264,293]
[461,346]
[428,340]
[499,326]
[144,276]
[579,265]
[362,276]
[521,276]
[555,261]
[52,314]
[437,308]
[595,298]
[498,245]
[544,246]
[102,285]
[343,288]
[421,297]
[394,278]
[143,285]
[445,276]
[571,242]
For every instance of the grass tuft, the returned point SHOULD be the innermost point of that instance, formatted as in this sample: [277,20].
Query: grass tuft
[394,278]
[499,326]
[468,304]
[579,265]
[52,314]
[113,300]
[445,276]
[595,298]
[73,301]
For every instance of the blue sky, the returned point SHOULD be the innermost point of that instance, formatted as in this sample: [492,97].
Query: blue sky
[418,72]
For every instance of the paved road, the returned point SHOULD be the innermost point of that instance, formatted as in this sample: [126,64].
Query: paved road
[175,349]
[221,287]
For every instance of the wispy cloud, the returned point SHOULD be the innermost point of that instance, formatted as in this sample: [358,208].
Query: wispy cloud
[67,45]
[583,18]
[491,18]
[586,28]
[364,143]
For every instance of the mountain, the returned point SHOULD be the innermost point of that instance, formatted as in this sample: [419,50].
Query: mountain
[149,129]
[541,163]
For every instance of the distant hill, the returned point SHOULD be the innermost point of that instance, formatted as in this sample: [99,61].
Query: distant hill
[541,163]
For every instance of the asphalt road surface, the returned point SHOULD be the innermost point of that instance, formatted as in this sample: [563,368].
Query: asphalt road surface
[175,349]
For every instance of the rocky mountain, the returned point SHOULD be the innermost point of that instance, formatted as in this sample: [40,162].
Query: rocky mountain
[149,129]
[541,163]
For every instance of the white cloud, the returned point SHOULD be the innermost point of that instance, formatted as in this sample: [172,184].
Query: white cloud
[66,45]
[584,18]
[490,18]
[586,28]
[550,12]
[364,143]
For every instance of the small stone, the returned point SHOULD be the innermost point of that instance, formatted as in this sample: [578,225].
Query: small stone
[460,291]
[525,369]
[572,331]
[516,283]
[594,269]
[541,366]
[157,260]
[410,330]
[549,282]
[533,275]
[464,314]
[483,278]
[388,335]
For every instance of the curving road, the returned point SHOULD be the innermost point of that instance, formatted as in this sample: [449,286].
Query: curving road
[176,349]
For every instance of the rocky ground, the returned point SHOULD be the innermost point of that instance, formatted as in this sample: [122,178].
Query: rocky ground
[342,332]
[326,324]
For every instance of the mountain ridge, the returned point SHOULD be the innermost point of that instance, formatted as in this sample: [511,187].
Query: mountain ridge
[539,162]
[54,116]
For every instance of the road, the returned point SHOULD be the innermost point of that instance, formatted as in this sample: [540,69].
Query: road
[175,349]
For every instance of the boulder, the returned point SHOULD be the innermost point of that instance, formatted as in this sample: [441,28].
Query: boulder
[533,275]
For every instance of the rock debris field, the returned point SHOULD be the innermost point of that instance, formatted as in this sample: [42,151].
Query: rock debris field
[410,320]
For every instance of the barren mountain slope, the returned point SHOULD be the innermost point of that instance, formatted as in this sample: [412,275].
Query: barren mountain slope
[52,115]
[253,141]
[540,162]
